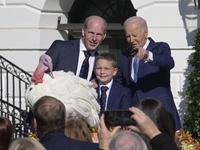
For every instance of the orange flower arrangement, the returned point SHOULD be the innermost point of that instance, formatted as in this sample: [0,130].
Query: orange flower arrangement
[121,129]
[93,129]
[185,141]
[34,136]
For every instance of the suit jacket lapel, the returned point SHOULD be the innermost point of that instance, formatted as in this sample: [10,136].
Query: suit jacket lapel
[140,68]
[129,65]
[112,96]
[98,96]
[142,63]
[74,50]
[93,74]
[151,44]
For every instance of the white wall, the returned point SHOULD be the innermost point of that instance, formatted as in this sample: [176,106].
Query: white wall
[28,27]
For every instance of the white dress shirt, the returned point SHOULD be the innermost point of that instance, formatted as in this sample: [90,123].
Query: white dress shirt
[81,59]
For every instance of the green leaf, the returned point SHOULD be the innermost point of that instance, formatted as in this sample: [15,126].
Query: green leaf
[192,118]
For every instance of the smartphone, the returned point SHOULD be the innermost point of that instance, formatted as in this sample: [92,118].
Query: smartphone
[120,117]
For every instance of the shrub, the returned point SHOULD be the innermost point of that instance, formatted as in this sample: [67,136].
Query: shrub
[192,118]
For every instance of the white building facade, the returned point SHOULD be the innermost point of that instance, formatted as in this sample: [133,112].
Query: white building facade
[28,28]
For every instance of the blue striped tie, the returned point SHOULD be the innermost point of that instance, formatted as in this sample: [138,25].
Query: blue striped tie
[103,99]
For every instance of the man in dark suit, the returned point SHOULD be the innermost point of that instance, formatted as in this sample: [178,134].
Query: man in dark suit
[145,66]
[117,95]
[70,55]
[49,122]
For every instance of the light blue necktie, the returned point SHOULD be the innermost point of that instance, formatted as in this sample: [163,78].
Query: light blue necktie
[136,65]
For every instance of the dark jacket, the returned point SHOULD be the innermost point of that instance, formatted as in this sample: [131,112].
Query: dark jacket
[59,141]
[153,77]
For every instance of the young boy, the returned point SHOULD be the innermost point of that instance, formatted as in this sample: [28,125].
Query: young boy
[117,96]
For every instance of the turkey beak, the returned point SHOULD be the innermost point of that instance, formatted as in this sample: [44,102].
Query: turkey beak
[50,68]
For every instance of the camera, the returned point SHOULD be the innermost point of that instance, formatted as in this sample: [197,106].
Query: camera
[120,117]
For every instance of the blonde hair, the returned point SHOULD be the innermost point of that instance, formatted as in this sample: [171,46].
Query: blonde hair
[26,144]
[78,130]
[107,56]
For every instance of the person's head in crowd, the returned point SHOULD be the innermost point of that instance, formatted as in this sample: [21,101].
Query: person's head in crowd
[49,116]
[159,115]
[78,130]
[6,133]
[105,67]
[93,32]
[127,140]
[136,31]
[26,144]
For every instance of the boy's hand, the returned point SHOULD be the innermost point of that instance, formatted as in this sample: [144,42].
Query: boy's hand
[95,83]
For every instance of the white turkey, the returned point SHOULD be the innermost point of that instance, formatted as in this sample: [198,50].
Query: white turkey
[77,94]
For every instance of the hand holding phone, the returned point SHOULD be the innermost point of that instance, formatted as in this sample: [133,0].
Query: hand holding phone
[118,118]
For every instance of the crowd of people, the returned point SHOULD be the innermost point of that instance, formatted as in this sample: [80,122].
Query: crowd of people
[50,125]
[141,84]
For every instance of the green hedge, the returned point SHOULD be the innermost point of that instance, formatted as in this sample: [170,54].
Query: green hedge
[192,118]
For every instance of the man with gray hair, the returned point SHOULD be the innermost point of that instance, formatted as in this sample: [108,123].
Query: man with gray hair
[145,66]
[127,140]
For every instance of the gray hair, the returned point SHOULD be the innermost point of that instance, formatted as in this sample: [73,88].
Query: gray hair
[135,19]
[127,140]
